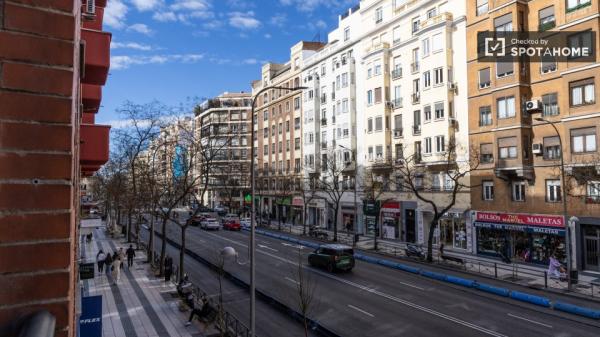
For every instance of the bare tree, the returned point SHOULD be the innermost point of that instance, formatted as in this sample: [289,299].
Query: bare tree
[456,168]
[582,179]
[305,290]
[307,191]
[331,185]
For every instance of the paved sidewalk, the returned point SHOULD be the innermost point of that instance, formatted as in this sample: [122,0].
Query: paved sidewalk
[140,305]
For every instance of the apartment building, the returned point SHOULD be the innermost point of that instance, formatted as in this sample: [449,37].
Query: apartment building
[518,202]
[414,105]
[278,135]
[330,120]
[222,126]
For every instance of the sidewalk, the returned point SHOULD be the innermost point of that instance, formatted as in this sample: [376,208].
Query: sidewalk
[141,305]
[525,275]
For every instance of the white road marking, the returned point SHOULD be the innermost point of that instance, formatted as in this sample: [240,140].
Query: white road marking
[528,320]
[411,285]
[360,310]
[293,281]
[267,247]
[291,245]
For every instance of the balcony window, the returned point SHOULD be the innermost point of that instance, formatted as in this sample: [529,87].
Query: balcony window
[428,147]
[488,190]
[370,125]
[552,148]
[547,19]
[484,78]
[518,191]
[297,123]
[487,153]
[379,15]
[507,148]
[370,153]
[417,122]
[583,140]
[416,25]
[580,40]
[378,123]
[379,152]
[370,97]
[503,23]
[482,7]
[378,95]
[506,107]
[485,115]
[550,104]
[437,42]
[553,192]
[582,92]
[426,47]
[504,69]
[427,113]
[439,110]
[593,192]
[438,76]
[440,144]
[573,5]
[426,79]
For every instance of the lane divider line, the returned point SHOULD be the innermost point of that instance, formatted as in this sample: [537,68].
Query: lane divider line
[529,320]
[360,310]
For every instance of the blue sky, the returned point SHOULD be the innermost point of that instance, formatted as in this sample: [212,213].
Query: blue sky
[172,50]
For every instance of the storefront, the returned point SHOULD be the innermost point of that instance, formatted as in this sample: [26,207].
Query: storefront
[526,238]
[390,220]
[452,231]
[589,228]
[348,220]
[297,211]
[316,212]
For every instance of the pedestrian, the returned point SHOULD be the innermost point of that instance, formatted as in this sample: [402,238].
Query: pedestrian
[201,313]
[108,262]
[121,257]
[100,257]
[130,255]
[116,268]
[168,268]
[555,268]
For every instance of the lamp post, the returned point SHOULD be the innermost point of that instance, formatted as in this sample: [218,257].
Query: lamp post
[252,247]
[355,183]
[564,199]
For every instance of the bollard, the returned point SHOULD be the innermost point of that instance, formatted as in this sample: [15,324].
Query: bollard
[495,270]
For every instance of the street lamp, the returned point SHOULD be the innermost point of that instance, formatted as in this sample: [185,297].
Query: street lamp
[355,183]
[253,214]
[564,199]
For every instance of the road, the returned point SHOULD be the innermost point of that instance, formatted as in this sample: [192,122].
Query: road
[376,301]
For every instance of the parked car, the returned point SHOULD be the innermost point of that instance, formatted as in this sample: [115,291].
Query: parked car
[230,216]
[221,210]
[210,223]
[195,220]
[245,222]
[332,257]
[232,225]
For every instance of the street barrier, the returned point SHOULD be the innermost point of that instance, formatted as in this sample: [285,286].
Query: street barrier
[433,275]
[533,299]
[576,310]
[492,289]
[461,281]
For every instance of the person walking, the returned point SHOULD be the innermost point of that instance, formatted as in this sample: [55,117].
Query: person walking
[200,312]
[556,269]
[121,256]
[108,262]
[116,268]
[168,268]
[130,255]
[100,257]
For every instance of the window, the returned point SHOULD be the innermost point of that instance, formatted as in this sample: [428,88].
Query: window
[439,110]
[379,15]
[265,150]
[488,190]
[482,7]
[377,69]
[553,192]
[437,42]
[507,148]
[582,92]
[484,78]
[573,5]
[426,47]
[416,25]
[370,153]
[440,144]
[297,143]
[485,115]
[346,33]
[266,133]
[378,123]
[265,115]
[398,123]
[504,69]
[280,129]
[297,103]
[552,148]
[426,79]
[583,140]
[377,95]
[370,97]
[518,190]
[487,153]
[297,123]
[287,126]
[287,145]
[547,64]
[397,93]
[503,23]
[431,13]
[417,119]
[280,147]
[396,34]
[428,145]
[546,18]
[370,125]
[273,148]
[438,76]
[506,107]
[580,40]
[550,104]
[593,192]
[379,151]
[427,113]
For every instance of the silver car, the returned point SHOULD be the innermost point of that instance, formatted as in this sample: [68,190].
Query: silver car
[210,223]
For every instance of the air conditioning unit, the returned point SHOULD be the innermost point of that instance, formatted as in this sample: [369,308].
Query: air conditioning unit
[389,104]
[452,86]
[397,133]
[453,123]
[536,148]
[532,105]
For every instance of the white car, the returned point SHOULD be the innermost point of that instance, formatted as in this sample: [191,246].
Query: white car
[245,222]
[210,223]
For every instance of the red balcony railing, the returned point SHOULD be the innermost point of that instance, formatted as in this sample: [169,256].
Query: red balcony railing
[97,56]
[94,148]
[91,96]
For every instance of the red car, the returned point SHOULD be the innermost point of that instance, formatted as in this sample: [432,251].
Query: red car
[232,225]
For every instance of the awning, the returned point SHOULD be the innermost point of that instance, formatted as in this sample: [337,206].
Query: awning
[521,228]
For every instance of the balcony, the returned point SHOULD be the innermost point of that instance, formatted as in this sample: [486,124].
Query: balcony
[88,118]
[416,97]
[443,17]
[377,46]
[397,103]
[91,96]
[416,130]
[97,56]
[323,145]
[397,73]
[398,132]
[93,22]
[323,99]
[94,148]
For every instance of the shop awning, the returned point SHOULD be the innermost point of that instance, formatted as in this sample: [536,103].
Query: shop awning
[521,228]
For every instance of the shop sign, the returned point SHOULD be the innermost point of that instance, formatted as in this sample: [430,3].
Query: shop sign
[522,219]
[297,201]
[517,228]
[391,207]
[86,271]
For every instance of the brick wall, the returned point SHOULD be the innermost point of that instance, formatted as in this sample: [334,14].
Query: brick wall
[39,170]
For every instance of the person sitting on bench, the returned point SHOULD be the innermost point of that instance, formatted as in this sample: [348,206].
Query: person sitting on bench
[201,313]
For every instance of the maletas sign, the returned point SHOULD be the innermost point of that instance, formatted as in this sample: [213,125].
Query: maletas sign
[522,219]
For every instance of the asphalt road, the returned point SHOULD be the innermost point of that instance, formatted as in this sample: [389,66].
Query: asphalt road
[377,301]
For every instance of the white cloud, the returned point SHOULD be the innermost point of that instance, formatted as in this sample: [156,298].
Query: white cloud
[140,28]
[115,13]
[278,19]
[268,36]
[321,24]
[164,16]
[126,61]
[250,61]
[311,5]
[194,5]
[243,20]
[130,45]
[146,5]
